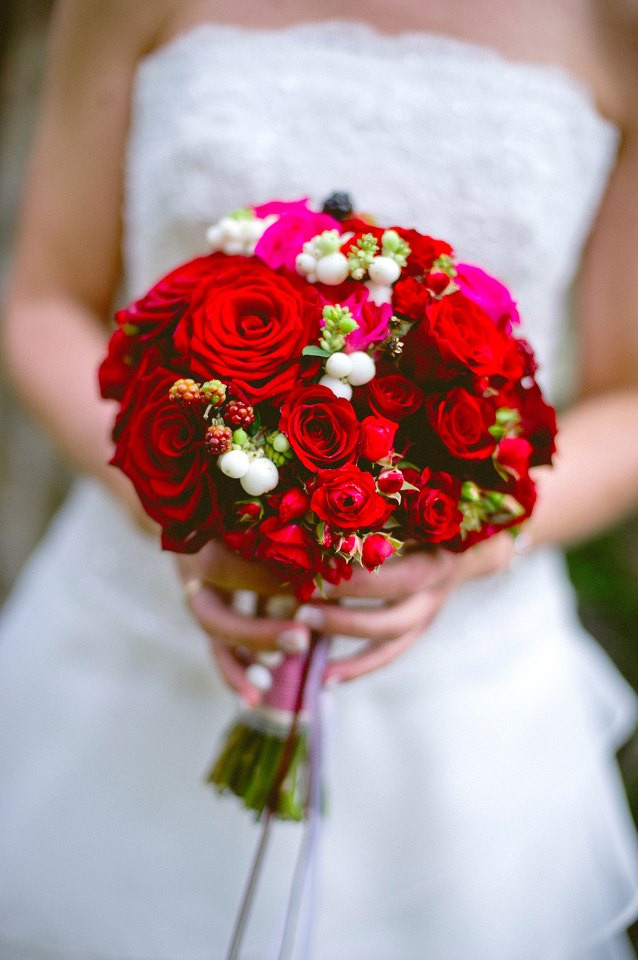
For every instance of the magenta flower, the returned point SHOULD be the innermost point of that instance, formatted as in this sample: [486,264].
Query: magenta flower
[283,241]
[488,294]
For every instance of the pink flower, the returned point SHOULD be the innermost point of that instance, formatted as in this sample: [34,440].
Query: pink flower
[373,319]
[488,294]
[283,241]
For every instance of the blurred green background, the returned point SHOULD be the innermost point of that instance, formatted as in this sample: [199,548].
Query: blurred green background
[33,481]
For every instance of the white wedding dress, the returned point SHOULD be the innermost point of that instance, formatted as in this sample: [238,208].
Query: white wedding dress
[475,810]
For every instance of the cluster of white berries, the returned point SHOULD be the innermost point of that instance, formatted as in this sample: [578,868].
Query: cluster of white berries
[347,370]
[255,471]
[321,261]
[238,234]
[257,475]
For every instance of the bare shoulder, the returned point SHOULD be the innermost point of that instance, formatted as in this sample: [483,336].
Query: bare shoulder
[619,43]
[119,28]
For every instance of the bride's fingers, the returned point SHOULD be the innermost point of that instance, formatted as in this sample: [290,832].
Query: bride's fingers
[369,659]
[398,577]
[222,568]
[233,672]
[378,624]
[238,630]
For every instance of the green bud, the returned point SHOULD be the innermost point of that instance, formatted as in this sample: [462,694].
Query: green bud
[243,213]
[281,443]
[470,492]
[348,324]
[240,437]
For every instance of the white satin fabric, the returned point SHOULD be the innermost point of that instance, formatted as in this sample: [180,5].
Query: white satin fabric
[475,810]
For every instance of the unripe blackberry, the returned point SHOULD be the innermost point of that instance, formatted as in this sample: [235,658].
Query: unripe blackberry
[239,414]
[185,391]
[338,205]
[218,439]
[214,392]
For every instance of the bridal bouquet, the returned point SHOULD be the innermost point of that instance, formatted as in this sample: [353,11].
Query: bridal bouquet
[316,392]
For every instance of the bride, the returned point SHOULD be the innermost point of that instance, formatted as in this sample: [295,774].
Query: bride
[475,810]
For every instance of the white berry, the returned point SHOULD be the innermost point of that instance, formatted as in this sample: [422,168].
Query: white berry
[332,269]
[363,368]
[384,270]
[234,248]
[234,464]
[281,443]
[214,237]
[339,387]
[379,293]
[305,264]
[338,365]
[262,477]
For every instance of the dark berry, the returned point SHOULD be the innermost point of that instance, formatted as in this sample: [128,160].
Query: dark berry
[338,205]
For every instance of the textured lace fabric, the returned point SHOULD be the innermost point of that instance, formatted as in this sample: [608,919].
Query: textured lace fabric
[507,161]
[474,808]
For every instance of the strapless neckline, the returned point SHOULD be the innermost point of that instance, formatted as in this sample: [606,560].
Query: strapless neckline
[346,33]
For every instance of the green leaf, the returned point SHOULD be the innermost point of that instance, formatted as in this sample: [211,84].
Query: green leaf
[313,351]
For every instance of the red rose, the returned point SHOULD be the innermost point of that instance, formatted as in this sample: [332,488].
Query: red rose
[241,541]
[390,481]
[249,325]
[118,367]
[347,499]
[410,297]
[288,547]
[323,429]
[155,314]
[538,418]
[377,437]
[435,510]
[461,334]
[293,504]
[376,548]
[160,448]
[423,250]
[513,455]
[394,396]
[462,422]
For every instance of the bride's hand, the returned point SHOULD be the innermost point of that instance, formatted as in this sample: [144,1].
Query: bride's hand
[413,589]
[210,578]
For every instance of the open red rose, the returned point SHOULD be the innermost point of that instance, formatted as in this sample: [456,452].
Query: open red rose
[424,251]
[462,422]
[377,437]
[394,396]
[160,448]
[410,297]
[323,429]
[455,336]
[248,325]
[156,313]
[347,499]
[434,512]
[287,546]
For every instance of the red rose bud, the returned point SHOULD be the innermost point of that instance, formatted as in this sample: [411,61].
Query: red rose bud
[249,510]
[325,536]
[390,481]
[377,437]
[513,454]
[376,548]
[286,545]
[242,541]
[350,545]
[293,504]
[437,283]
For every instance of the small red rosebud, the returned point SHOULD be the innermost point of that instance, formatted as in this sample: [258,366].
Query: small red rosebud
[249,510]
[293,504]
[437,282]
[350,545]
[390,481]
[376,438]
[376,548]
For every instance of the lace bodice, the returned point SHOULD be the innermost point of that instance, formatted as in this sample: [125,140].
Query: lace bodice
[505,160]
